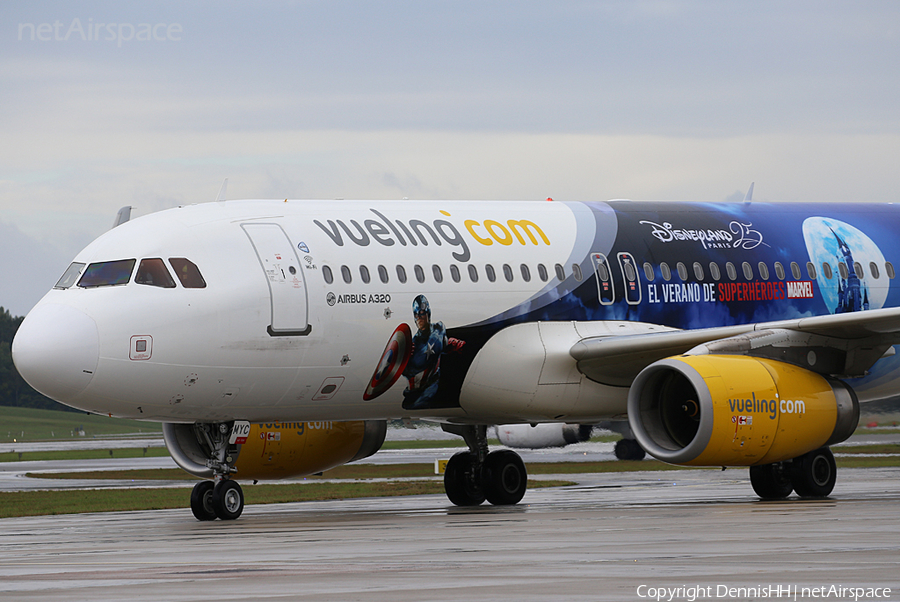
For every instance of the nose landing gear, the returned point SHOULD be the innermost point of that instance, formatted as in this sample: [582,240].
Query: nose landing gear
[207,451]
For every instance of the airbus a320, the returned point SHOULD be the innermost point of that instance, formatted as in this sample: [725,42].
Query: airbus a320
[275,338]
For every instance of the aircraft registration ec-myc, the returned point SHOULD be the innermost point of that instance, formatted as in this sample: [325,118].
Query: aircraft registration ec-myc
[275,338]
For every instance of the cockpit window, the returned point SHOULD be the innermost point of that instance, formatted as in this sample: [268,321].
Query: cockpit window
[154,273]
[107,273]
[188,273]
[71,276]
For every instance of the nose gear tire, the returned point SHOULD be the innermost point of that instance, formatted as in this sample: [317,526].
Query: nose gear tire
[228,500]
[201,501]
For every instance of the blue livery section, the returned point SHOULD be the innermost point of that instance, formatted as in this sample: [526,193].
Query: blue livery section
[700,265]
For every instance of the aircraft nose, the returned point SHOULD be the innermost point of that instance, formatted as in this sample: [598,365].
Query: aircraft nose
[56,350]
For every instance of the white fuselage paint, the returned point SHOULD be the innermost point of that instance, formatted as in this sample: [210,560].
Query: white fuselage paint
[212,357]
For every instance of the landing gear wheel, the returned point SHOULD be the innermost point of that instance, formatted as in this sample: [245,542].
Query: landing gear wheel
[228,500]
[814,474]
[201,501]
[629,449]
[504,478]
[460,482]
[772,481]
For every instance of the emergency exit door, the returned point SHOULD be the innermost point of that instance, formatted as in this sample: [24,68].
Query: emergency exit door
[284,275]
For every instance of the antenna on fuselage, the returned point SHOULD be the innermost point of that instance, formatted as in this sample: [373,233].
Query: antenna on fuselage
[749,196]
[221,196]
[122,216]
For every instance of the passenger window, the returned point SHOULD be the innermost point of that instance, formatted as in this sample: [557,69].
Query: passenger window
[858,269]
[153,272]
[873,268]
[763,270]
[811,270]
[630,274]
[889,269]
[473,273]
[560,272]
[665,271]
[826,270]
[542,273]
[326,273]
[420,273]
[731,271]
[73,272]
[491,275]
[842,270]
[107,273]
[779,270]
[454,272]
[401,274]
[188,273]
[345,273]
[748,270]
[602,272]
[682,272]
[507,272]
[383,274]
[795,271]
[436,272]
[714,270]
[526,273]
[648,272]
[364,274]
[576,271]
[698,271]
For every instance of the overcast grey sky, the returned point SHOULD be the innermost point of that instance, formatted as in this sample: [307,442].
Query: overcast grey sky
[681,100]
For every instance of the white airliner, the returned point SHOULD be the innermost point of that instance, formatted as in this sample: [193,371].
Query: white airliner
[274,338]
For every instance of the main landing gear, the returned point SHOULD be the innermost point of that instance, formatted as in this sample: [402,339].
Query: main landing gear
[811,475]
[476,475]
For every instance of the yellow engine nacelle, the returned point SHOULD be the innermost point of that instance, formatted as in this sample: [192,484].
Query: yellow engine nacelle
[719,410]
[280,450]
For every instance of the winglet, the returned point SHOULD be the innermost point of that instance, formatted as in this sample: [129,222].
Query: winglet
[221,196]
[749,195]
[122,216]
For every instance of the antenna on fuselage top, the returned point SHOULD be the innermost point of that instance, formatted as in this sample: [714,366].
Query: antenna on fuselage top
[122,216]
[221,196]
[749,196]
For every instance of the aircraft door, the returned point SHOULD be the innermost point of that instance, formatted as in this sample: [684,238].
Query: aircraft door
[631,279]
[284,274]
[604,279]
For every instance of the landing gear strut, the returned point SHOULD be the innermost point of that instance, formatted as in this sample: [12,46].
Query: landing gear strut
[477,475]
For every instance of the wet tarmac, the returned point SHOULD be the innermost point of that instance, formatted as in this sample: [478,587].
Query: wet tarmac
[600,540]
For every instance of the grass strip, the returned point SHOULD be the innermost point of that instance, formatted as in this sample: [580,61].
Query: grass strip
[85,454]
[40,503]
[867,449]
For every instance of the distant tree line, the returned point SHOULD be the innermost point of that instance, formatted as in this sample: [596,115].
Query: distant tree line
[14,391]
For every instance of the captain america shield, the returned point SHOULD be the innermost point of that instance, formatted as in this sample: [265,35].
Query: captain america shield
[394,359]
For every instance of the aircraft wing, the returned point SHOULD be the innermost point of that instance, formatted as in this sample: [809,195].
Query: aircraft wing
[841,344]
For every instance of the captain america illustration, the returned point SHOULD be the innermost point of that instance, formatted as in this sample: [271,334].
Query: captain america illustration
[428,345]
